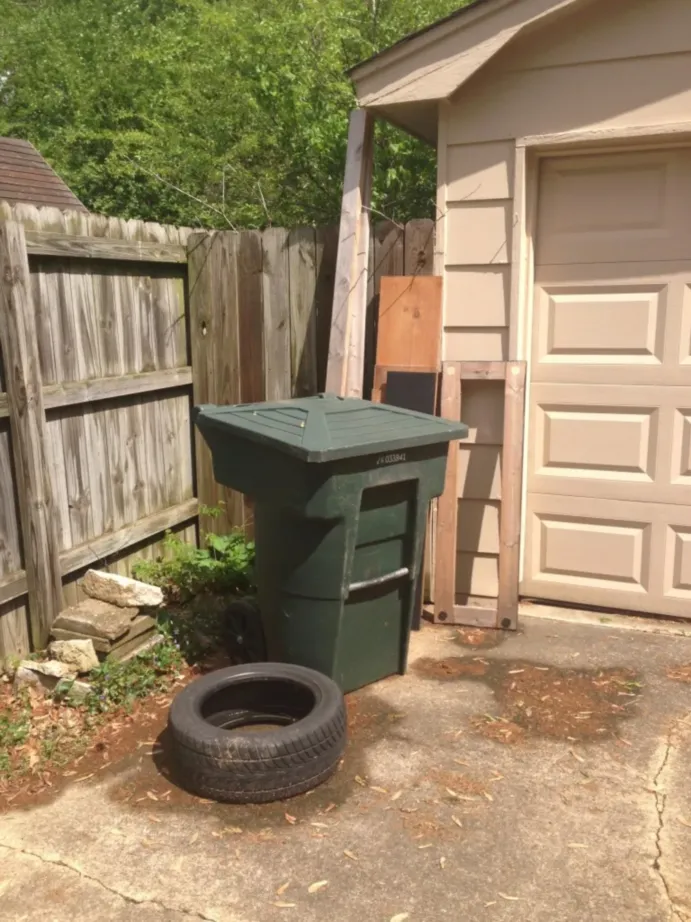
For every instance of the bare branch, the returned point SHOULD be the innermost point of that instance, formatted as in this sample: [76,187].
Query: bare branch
[184,192]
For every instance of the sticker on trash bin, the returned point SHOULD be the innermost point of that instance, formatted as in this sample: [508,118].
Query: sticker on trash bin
[393,458]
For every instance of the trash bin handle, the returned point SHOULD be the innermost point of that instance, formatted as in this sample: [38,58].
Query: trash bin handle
[378,580]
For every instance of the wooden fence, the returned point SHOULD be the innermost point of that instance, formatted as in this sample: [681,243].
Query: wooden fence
[109,331]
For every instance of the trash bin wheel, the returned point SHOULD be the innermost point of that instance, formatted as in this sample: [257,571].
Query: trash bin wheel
[257,733]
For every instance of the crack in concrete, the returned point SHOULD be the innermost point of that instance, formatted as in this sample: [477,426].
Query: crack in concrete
[660,806]
[59,862]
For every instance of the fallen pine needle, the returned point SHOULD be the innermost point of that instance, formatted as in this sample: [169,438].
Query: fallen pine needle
[577,845]
[458,796]
[151,796]
[455,819]
[427,845]
[492,903]
[576,756]
[291,819]
[281,905]
[84,778]
[320,825]
[319,885]
[351,855]
[505,896]
[154,819]
[373,787]
[329,808]
[488,796]
[282,889]
[396,795]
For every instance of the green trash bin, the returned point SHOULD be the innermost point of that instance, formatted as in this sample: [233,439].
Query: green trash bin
[342,489]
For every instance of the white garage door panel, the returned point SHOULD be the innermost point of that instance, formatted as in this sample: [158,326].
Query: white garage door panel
[609,457]
[617,207]
[624,555]
[642,326]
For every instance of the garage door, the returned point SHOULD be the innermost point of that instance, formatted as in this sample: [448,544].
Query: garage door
[608,519]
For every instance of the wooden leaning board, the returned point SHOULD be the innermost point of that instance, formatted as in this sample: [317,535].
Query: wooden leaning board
[504,614]
[406,372]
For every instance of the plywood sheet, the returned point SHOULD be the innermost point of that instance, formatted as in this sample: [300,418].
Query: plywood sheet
[409,331]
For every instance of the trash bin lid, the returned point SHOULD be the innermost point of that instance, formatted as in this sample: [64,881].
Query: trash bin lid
[325,427]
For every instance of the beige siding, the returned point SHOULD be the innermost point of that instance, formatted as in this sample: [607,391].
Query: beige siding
[479,172]
[482,345]
[613,65]
[644,29]
[477,297]
[639,91]
[479,234]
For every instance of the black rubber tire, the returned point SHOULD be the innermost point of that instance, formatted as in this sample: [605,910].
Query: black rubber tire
[224,763]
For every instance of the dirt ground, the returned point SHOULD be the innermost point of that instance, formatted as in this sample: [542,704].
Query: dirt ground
[540,777]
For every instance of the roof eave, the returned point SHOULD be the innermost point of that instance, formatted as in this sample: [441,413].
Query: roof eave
[432,65]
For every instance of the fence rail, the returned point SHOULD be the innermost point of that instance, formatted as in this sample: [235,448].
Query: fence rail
[109,331]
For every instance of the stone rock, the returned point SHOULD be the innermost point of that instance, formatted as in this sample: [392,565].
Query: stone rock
[94,619]
[121,590]
[79,654]
[78,691]
[141,646]
[142,630]
[24,677]
[100,645]
[52,668]
[45,675]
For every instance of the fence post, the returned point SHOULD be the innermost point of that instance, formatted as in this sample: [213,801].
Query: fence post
[348,317]
[212,266]
[19,343]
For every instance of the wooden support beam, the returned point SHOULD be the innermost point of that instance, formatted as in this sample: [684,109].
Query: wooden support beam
[447,506]
[347,340]
[75,392]
[511,486]
[19,344]
[49,243]
[115,542]
[12,586]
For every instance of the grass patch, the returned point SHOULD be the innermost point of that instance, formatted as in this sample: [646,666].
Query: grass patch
[119,685]
[15,726]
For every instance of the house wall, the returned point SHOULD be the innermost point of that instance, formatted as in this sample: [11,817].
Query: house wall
[628,65]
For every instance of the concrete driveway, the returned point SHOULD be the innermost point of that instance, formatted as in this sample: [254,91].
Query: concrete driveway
[542,779]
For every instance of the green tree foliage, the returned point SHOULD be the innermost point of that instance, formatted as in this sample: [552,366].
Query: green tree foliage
[243,104]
